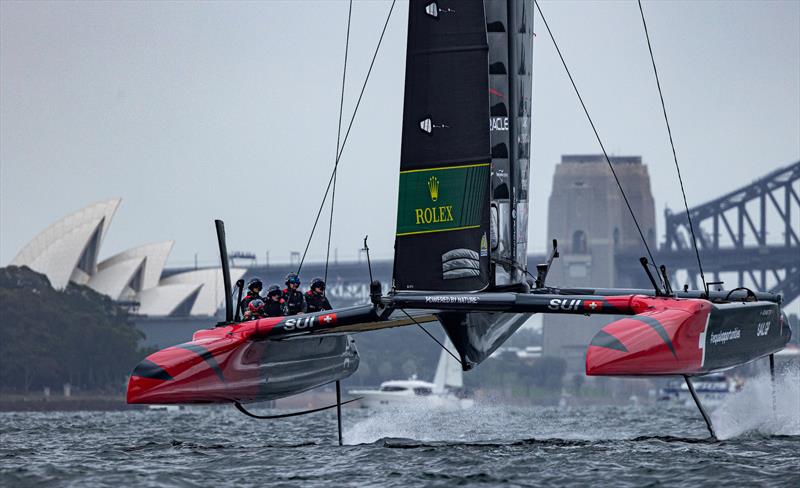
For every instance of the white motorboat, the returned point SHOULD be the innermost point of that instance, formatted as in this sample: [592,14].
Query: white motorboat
[444,392]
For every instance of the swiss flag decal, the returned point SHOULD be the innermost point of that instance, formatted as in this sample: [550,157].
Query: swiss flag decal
[328,319]
[592,305]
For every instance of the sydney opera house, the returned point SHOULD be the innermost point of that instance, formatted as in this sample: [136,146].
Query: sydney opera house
[69,249]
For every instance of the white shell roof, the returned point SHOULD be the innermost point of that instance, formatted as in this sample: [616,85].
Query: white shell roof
[154,255]
[164,299]
[112,280]
[56,250]
[212,293]
[68,250]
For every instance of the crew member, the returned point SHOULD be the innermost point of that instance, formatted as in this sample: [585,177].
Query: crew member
[254,287]
[316,301]
[294,303]
[255,309]
[274,306]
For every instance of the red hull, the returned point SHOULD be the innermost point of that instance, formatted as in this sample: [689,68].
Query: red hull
[686,337]
[238,363]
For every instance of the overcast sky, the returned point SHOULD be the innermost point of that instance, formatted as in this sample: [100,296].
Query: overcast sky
[195,111]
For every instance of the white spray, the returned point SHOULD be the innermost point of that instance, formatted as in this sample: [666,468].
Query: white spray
[750,411]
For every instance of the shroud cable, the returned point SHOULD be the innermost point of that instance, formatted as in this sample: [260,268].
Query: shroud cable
[672,144]
[347,133]
[338,139]
[596,134]
[431,336]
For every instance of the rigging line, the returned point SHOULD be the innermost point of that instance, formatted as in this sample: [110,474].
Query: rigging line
[596,134]
[346,135]
[672,145]
[338,138]
[431,336]
[508,262]
[241,408]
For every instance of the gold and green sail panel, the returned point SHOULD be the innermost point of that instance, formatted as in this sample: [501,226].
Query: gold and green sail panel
[441,199]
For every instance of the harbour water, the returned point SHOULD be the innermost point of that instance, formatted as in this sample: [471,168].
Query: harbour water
[490,444]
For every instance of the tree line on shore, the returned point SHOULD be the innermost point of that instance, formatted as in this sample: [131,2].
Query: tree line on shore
[52,337]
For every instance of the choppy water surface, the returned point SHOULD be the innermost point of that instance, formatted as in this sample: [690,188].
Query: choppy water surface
[487,445]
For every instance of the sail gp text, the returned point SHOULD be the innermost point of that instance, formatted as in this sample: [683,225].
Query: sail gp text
[763,327]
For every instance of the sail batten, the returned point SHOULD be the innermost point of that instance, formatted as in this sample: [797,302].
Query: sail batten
[459,49]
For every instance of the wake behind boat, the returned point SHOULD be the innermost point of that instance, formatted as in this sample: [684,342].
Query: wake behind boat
[446,391]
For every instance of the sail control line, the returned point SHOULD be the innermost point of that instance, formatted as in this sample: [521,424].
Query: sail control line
[672,145]
[338,139]
[596,133]
[434,339]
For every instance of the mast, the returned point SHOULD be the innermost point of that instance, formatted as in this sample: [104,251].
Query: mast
[509,32]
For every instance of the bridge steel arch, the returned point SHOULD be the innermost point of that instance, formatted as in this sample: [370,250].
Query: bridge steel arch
[733,237]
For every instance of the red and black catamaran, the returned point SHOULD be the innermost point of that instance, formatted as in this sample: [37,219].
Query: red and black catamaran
[461,248]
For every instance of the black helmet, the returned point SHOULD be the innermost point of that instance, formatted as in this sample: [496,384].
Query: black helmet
[273,290]
[292,278]
[255,282]
[318,283]
[255,306]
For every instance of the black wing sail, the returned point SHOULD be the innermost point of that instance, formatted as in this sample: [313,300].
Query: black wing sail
[443,205]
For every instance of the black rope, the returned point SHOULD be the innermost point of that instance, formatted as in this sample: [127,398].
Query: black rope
[346,135]
[508,262]
[241,408]
[596,134]
[431,336]
[338,137]
[672,144]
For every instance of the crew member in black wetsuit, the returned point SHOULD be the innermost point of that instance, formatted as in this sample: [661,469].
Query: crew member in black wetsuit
[274,306]
[254,287]
[255,310]
[294,303]
[316,301]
